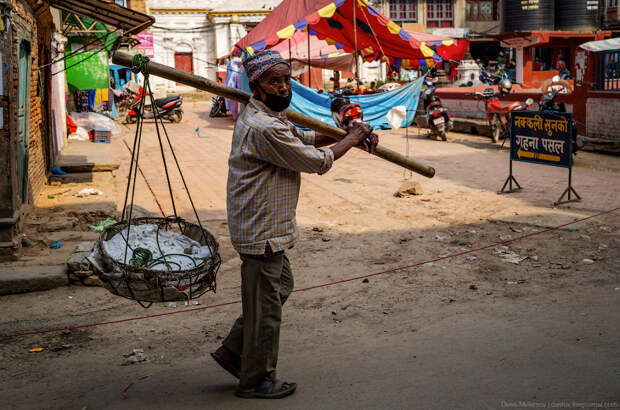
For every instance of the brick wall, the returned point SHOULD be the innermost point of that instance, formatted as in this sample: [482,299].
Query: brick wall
[27,27]
[602,118]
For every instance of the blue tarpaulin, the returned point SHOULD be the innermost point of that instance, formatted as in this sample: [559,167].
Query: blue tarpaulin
[375,106]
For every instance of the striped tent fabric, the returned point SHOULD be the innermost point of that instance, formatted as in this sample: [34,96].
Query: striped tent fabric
[333,21]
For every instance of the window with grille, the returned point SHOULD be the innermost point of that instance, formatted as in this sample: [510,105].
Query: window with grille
[403,10]
[607,71]
[612,3]
[481,10]
[439,13]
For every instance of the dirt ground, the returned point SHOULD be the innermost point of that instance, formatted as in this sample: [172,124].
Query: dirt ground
[472,331]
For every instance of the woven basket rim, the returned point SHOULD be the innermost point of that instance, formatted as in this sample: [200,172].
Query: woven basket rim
[209,239]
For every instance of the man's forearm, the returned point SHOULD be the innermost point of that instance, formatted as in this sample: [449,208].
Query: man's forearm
[321,140]
[342,146]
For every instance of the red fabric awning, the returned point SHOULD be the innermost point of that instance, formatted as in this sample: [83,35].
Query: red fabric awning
[322,54]
[299,47]
[332,21]
[446,47]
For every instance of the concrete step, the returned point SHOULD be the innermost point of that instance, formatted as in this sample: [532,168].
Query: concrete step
[81,177]
[86,167]
[86,156]
[22,279]
[471,126]
[464,125]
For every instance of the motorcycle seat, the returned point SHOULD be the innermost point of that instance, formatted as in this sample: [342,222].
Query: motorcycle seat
[434,105]
[163,101]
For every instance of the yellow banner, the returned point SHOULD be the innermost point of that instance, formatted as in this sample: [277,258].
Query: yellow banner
[327,11]
[286,32]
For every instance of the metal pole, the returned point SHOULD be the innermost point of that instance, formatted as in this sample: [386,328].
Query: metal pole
[290,54]
[309,66]
[570,181]
[357,68]
[510,175]
[334,133]
[407,142]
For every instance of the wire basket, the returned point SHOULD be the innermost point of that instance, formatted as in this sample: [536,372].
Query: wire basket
[144,284]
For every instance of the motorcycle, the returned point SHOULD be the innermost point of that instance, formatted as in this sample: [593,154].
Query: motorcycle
[123,100]
[490,78]
[498,114]
[218,107]
[437,116]
[343,112]
[548,103]
[125,97]
[168,108]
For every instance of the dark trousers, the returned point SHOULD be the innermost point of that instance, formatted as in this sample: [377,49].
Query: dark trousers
[266,283]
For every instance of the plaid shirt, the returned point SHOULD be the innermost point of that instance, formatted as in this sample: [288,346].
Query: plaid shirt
[267,155]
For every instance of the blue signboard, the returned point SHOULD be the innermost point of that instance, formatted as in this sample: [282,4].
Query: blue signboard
[542,137]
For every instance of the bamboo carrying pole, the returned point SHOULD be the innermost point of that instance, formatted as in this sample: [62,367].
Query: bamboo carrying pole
[202,83]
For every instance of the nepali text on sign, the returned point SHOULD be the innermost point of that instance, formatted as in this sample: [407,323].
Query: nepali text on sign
[541,137]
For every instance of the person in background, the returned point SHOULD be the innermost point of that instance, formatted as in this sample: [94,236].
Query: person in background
[501,57]
[561,67]
[336,79]
[512,70]
[234,81]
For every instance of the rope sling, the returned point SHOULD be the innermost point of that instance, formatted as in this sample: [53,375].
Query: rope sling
[136,277]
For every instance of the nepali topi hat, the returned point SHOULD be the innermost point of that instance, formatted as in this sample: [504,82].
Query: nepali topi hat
[256,64]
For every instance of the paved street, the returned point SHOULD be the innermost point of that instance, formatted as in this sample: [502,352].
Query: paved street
[474,331]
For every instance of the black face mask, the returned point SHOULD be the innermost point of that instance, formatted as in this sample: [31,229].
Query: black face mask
[276,103]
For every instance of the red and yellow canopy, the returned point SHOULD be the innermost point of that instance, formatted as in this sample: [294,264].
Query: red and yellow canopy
[333,21]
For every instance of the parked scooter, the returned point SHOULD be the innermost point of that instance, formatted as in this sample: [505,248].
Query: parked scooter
[548,103]
[498,114]
[168,108]
[439,120]
[218,107]
[343,112]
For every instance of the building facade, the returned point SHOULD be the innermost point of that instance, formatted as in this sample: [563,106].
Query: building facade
[480,16]
[612,17]
[25,144]
[478,20]
[193,36]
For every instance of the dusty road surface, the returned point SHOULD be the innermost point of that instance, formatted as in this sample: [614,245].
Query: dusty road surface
[531,323]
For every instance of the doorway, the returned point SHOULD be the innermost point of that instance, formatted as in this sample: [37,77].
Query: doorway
[184,61]
[23,117]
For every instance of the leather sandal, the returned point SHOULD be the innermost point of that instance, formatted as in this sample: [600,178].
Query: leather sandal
[268,389]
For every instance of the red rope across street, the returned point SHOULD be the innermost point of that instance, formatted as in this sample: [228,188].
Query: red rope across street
[454,255]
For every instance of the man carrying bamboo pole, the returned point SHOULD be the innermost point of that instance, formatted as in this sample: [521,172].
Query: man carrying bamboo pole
[267,156]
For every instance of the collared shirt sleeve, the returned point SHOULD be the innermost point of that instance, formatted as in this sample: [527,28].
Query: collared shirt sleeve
[279,146]
[307,137]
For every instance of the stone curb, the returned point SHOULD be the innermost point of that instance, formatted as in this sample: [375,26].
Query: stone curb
[22,279]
